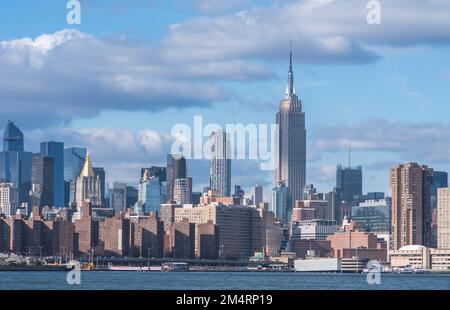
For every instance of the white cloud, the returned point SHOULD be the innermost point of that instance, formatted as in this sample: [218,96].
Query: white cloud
[321,31]
[422,142]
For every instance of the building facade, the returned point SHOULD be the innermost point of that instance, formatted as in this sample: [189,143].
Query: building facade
[443,218]
[349,182]
[56,150]
[15,163]
[149,194]
[291,142]
[411,205]
[281,203]
[182,191]
[74,159]
[9,200]
[373,215]
[220,170]
[176,169]
[240,228]
[42,182]
[88,186]
[118,197]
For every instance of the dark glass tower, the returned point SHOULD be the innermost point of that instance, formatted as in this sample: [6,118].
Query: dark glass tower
[56,150]
[176,169]
[349,182]
[12,138]
[15,164]
[42,183]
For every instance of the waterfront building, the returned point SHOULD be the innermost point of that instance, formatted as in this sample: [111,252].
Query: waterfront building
[240,228]
[42,183]
[114,236]
[176,169]
[182,191]
[411,205]
[207,241]
[56,150]
[182,239]
[420,257]
[146,236]
[301,247]
[443,218]
[9,200]
[291,142]
[351,242]
[349,182]
[118,197]
[86,232]
[220,169]
[275,241]
[88,186]
[36,236]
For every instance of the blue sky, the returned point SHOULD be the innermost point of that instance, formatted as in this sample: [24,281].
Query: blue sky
[118,82]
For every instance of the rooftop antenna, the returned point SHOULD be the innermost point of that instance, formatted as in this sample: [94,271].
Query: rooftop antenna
[349,154]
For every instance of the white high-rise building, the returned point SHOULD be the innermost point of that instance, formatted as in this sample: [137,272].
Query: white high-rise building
[220,171]
[443,219]
[8,199]
[291,143]
[88,186]
[182,191]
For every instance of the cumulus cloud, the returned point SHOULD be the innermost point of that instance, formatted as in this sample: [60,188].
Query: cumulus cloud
[121,152]
[423,142]
[69,75]
[322,31]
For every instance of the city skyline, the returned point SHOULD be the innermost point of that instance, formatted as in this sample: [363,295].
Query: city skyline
[338,78]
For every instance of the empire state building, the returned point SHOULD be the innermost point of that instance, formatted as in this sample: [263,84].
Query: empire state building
[291,144]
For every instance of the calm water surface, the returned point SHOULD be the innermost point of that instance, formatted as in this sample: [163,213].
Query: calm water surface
[218,280]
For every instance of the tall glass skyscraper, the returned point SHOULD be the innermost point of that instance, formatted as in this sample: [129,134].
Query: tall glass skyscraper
[74,159]
[12,138]
[220,170]
[15,163]
[42,182]
[440,180]
[291,142]
[149,194]
[281,204]
[56,150]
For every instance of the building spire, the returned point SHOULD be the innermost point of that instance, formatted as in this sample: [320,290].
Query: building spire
[87,169]
[290,91]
